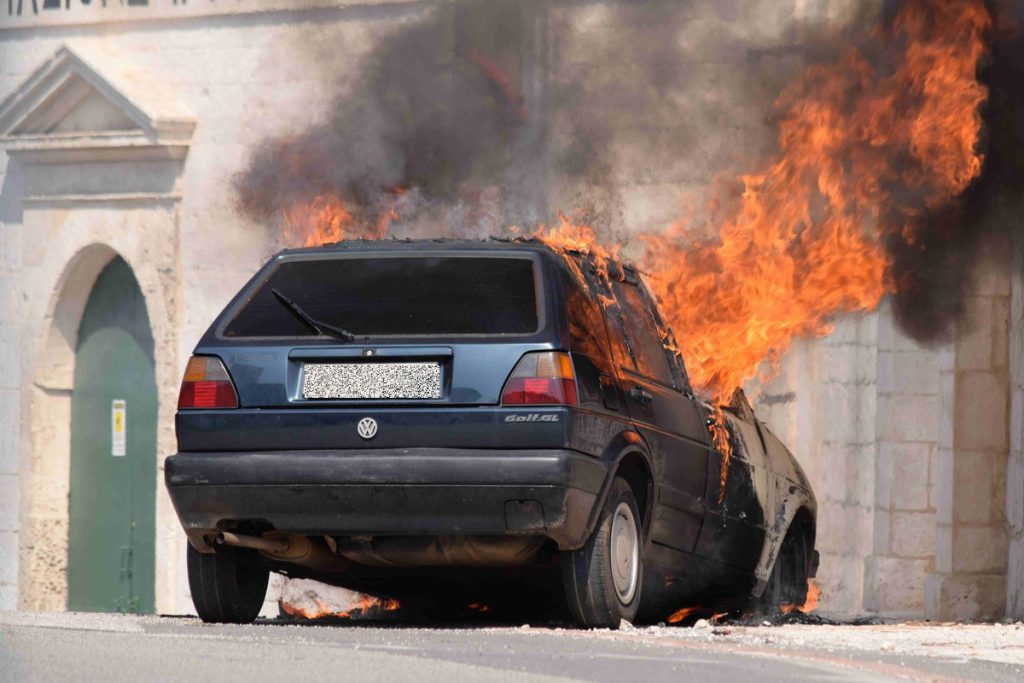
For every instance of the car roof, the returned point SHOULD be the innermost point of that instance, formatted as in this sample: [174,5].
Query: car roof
[490,244]
[396,244]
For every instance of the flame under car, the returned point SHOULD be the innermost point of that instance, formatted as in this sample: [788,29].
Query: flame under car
[409,418]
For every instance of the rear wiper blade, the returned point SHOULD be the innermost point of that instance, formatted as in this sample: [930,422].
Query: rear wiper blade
[317,326]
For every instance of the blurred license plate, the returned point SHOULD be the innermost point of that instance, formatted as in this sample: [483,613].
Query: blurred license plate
[371,380]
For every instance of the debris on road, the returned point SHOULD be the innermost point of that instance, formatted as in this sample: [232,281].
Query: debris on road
[307,599]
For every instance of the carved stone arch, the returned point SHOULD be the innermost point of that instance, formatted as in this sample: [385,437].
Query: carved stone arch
[55,367]
[47,402]
[99,149]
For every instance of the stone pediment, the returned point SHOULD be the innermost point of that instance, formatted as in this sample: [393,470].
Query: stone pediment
[88,100]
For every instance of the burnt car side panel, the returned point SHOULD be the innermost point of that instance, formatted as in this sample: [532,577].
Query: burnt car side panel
[602,415]
[666,424]
[734,532]
[626,444]
[665,416]
[765,489]
[793,494]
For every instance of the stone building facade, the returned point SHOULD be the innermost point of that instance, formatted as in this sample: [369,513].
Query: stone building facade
[122,124]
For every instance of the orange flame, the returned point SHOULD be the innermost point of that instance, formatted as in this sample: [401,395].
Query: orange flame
[697,610]
[327,219]
[810,601]
[804,241]
[680,615]
[719,429]
[324,220]
[569,238]
[364,605]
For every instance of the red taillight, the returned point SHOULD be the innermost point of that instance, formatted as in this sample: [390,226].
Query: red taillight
[207,385]
[543,378]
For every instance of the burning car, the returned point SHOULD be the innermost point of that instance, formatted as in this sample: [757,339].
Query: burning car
[381,415]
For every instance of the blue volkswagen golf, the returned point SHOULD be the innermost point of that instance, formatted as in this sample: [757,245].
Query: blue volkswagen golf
[417,418]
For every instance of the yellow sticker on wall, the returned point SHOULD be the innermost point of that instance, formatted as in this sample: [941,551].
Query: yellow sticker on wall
[118,428]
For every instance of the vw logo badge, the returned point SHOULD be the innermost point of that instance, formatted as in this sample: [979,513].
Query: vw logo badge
[367,428]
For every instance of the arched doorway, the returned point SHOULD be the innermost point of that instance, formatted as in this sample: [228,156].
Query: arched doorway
[112,511]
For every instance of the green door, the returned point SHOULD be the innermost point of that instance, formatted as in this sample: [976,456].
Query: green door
[111,562]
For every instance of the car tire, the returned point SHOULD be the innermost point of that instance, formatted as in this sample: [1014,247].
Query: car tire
[228,586]
[788,581]
[603,579]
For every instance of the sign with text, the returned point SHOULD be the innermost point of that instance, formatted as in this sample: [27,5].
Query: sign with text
[119,428]
[26,13]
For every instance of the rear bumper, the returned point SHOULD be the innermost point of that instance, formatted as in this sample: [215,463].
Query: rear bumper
[399,492]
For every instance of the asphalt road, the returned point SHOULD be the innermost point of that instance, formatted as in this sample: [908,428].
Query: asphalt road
[78,647]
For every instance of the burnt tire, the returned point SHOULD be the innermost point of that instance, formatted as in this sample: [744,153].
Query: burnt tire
[603,579]
[788,581]
[228,586]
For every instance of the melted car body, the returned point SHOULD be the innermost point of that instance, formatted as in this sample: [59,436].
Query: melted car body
[396,416]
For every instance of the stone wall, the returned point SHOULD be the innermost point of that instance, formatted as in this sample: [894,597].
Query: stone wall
[971,543]
[907,433]
[187,247]
[824,405]
[1015,464]
[10,411]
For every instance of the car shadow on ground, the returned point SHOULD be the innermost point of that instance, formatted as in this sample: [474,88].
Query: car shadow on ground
[484,618]
[417,618]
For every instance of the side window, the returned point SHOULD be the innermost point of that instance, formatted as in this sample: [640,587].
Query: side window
[675,358]
[644,337]
[620,345]
[587,333]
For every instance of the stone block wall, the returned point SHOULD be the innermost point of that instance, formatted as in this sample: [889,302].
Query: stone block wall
[971,544]
[903,547]
[243,78]
[823,405]
[10,411]
[1015,462]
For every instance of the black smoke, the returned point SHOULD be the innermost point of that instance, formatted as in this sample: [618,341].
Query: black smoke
[935,273]
[438,108]
[509,106]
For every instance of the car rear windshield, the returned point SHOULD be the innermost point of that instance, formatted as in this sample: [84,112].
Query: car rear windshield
[395,296]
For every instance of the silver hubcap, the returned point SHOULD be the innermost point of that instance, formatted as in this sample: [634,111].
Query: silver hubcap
[625,553]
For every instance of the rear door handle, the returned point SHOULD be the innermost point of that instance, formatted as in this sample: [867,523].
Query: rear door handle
[640,395]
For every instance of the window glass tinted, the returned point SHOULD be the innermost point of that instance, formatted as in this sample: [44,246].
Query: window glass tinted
[395,296]
[644,338]
[620,346]
[587,333]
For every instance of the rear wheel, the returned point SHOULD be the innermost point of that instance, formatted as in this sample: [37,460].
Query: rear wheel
[228,586]
[603,579]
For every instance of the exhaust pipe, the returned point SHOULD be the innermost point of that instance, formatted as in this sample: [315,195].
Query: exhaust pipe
[266,545]
[291,548]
